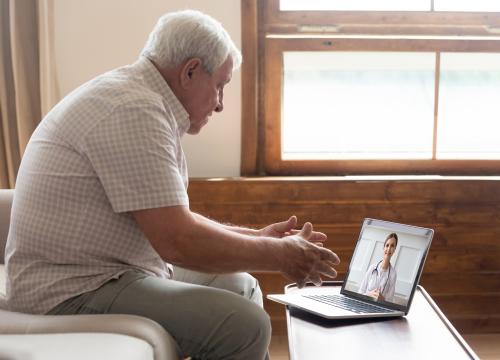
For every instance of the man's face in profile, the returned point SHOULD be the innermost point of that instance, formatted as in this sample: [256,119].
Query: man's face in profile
[206,96]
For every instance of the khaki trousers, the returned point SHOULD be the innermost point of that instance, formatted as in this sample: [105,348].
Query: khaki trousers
[210,316]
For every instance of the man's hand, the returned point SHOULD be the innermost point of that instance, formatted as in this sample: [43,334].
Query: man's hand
[287,227]
[303,261]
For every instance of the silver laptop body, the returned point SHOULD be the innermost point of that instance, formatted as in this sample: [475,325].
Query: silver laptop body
[395,284]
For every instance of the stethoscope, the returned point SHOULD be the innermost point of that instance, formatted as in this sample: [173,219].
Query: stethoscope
[388,275]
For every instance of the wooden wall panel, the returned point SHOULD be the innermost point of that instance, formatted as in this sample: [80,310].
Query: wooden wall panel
[462,272]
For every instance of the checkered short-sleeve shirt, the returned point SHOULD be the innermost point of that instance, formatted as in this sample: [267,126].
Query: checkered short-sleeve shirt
[110,147]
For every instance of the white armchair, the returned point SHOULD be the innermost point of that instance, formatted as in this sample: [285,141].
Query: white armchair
[43,337]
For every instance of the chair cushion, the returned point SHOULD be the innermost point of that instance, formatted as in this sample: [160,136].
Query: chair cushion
[75,346]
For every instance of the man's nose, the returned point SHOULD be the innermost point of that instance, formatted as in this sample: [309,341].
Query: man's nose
[220,101]
[219,107]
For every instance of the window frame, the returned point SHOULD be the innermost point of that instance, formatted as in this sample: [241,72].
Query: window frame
[275,32]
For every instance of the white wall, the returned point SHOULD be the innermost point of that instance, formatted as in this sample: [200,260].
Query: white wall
[93,36]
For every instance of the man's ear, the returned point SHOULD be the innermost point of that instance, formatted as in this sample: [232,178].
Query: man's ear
[189,70]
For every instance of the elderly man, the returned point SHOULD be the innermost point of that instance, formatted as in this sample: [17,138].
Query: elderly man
[101,209]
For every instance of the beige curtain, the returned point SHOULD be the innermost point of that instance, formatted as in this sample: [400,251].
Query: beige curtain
[25,48]
[49,86]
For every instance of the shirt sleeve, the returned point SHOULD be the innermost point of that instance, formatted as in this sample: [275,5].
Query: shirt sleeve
[134,154]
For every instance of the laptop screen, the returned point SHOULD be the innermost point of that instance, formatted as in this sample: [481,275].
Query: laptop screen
[387,263]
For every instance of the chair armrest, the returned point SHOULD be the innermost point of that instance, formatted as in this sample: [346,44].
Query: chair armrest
[164,346]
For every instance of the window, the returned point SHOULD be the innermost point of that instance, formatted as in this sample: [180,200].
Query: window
[390,5]
[324,89]
[349,5]
[359,89]
[469,106]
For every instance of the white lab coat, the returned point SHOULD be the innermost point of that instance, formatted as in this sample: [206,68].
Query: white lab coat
[384,281]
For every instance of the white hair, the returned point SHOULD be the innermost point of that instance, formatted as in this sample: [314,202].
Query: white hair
[183,35]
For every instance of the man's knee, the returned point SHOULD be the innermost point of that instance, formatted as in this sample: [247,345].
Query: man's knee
[251,329]
[257,321]
[233,328]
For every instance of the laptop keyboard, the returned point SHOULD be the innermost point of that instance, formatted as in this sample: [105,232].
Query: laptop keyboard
[349,304]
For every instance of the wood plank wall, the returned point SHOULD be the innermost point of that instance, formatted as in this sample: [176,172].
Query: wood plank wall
[462,272]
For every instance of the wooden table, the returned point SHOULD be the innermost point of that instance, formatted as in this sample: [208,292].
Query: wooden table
[424,333]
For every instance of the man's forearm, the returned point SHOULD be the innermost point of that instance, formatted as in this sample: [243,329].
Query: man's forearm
[194,242]
[237,229]
[201,244]
[212,247]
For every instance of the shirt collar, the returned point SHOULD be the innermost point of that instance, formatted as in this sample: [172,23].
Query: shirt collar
[157,83]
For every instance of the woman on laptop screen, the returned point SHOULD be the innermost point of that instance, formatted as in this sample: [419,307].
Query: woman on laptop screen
[379,281]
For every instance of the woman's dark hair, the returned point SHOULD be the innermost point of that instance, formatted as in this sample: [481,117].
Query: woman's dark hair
[390,236]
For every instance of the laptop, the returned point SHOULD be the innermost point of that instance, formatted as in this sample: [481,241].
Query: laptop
[382,277]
